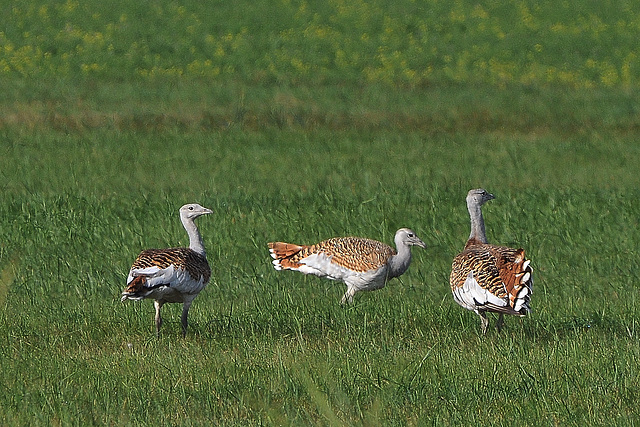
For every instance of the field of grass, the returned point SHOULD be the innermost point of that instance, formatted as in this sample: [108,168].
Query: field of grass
[324,119]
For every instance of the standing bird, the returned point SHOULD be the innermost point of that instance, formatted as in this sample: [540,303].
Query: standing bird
[174,274]
[489,278]
[362,264]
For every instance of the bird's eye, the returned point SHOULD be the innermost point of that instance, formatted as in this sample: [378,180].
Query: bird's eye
[190,208]
[410,234]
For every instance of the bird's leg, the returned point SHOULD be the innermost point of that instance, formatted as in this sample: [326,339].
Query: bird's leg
[158,306]
[183,318]
[348,296]
[484,322]
[500,322]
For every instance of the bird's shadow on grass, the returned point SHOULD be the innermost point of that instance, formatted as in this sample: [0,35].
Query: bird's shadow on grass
[322,322]
[569,327]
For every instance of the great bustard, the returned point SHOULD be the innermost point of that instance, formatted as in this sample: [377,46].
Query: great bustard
[362,264]
[172,275]
[489,278]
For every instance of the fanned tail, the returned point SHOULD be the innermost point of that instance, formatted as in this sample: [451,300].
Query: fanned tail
[136,289]
[283,255]
[520,283]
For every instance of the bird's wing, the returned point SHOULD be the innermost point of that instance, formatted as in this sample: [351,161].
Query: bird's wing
[178,268]
[339,254]
[492,278]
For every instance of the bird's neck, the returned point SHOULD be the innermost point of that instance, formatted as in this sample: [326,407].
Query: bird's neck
[195,239]
[399,263]
[477,223]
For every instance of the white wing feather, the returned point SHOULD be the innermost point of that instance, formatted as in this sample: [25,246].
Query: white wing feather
[321,265]
[175,278]
[472,296]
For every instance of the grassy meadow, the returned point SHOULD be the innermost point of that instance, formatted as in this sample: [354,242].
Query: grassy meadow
[299,121]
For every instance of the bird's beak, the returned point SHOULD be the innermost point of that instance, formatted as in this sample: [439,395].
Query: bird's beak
[207,211]
[420,243]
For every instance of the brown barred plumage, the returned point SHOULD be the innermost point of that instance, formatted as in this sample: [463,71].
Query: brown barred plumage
[362,264]
[490,278]
[183,258]
[355,253]
[174,274]
[498,269]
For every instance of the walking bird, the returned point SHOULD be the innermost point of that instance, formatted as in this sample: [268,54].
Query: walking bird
[489,278]
[172,275]
[362,264]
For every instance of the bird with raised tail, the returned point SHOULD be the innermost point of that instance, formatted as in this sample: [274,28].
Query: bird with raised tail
[489,278]
[174,275]
[362,264]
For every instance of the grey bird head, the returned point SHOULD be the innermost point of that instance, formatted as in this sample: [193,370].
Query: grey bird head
[406,236]
[479,196]
[193,211]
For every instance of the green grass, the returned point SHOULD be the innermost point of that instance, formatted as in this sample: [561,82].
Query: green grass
[112,119]
[276,347]
[287,42]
